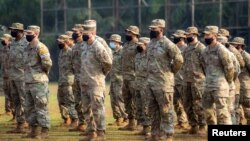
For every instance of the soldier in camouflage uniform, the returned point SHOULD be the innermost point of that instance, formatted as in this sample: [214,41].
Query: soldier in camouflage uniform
[164,60]
[70,42]
[16,74]
[5,52]
[96,63]
[37,67]
[244,77]
[116,99]
[66,99]
[182,121]
[128,70]
[193,82]
[141,96]
[219,73]
[76,62]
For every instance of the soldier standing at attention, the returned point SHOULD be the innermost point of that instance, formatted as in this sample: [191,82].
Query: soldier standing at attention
[70,42]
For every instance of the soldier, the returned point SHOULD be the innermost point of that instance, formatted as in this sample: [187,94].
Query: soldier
[76,62]
[141,98]
[164,60]
[193,82]
[128,70]
[5,52]
[16,74]
[244,77]
[182,121]
[96,63]
[219,73]
[117,102]
[70,42]
[37,67]
[66,99]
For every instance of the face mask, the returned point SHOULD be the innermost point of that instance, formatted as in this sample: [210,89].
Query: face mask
[13,34]
[139,49]
[112,45]
[29,38]
[3,43]
[75,36]
[208,41]
[154,34]
[176,40]
[128,37]
[85,38]
[190,39]
[61,46]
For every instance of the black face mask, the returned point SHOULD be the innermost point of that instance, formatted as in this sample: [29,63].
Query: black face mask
[85,38]
[128,38]
[29,38]
[14,34]
[176,40]
[3,43]
[61,46]
[139,49]
[208,41]
[154,34]
[75,36]
[190,39]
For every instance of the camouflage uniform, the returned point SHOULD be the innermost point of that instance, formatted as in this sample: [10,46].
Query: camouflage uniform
[219,71]
[117,102]
[164,59]
[16,74]
[37,67]
[65,95]
[193,82]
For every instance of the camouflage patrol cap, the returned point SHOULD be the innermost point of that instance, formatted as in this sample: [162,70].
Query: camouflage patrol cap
[116,38]
[89,25]
[69,33]
[211,30]
[224,32]
[63,38]
[192,30]
[6,37]
[157,23]
[17,26]
[77,27]
[33,28]
[238,41]
[133,29]
[179,33]
[143,40]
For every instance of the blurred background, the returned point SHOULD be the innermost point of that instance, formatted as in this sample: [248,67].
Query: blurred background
[113,16]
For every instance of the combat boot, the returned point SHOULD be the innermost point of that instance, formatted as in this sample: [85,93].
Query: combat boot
[202,130]
[80,127]
[153,138]
[194,130]
[169,137]
[44,133]
[18,130]
[118,122]
[131,125]
[31,134]
[92,136]
[74,123]
[146,131]
[100,136]
[125,121]
[182,126]
[66,123]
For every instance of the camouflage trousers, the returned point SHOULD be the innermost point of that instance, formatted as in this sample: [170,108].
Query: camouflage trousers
[18,96]
[36,104]
[128,93]
[239,113]
[178,104]
[216,107]
[245,101]
[161,110]
[231,105]
[66,101]
[141,100]
[116,99]
[193,93]
[9,104]
[93,108]
[78,101]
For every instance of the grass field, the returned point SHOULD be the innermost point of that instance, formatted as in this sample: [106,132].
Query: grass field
[62,134]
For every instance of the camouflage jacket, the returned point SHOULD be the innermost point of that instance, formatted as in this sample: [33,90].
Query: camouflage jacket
[178,78]
[5,62]
[237,55]
[218,67]
[66,76]
[116,71]
[164,59]
[17,59]
[37,63]
[141,73]
[244,76]
[76,59]
[192,68]
[104,43]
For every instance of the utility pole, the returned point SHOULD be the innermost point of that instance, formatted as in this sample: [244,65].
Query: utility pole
[139,14]
[193,12]
[41,16]
[89,9]
[220,13]
[65,14]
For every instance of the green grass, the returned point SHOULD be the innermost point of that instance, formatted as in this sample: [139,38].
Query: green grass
[62,134]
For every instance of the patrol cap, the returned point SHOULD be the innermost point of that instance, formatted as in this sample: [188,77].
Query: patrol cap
[211,30]
[157,23]
[116,38]
[33,28]
[133,29]
[89,25]
[6,37]
[17,26]
[238,41]
[63,38]
[222,39]
[224,32]
[77,27]
[143,40]
[69,33]
[192,30]
[179,33]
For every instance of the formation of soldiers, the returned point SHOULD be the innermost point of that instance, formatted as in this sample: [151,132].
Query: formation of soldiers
[151,78]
